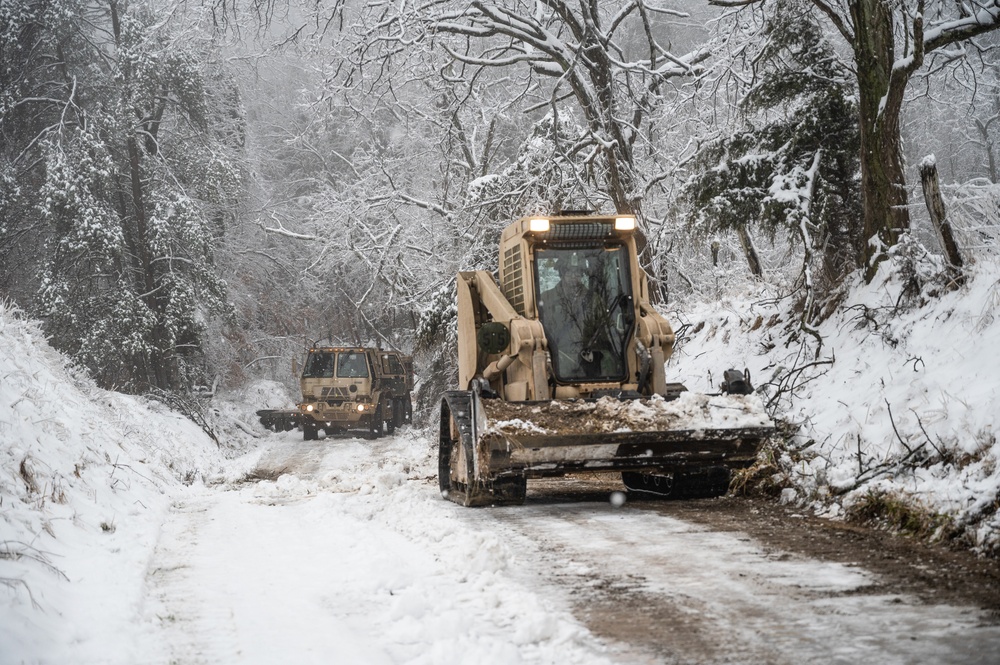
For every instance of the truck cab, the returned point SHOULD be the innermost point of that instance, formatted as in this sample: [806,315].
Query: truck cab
[345,388]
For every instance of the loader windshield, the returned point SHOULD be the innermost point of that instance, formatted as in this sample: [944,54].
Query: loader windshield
[585,306]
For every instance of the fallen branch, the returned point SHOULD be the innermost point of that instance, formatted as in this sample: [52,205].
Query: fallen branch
[13,582]
[939,451]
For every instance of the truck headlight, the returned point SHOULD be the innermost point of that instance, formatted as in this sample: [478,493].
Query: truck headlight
[309,407]
[361,408]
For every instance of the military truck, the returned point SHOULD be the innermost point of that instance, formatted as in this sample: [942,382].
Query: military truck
[397,379]
[354,388]
[562,369]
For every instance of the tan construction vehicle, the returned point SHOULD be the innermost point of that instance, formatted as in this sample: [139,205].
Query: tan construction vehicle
[354,388]
[561,370]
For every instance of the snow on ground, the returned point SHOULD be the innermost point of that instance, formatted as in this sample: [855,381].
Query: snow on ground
[360,561]
[86,478]
[128,536]
[900,403]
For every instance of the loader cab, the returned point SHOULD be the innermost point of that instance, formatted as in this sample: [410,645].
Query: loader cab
[583,293]
[567,316]
[577,280]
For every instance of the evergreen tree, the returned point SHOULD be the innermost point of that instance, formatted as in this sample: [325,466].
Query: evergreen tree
[799,109]
[137,165]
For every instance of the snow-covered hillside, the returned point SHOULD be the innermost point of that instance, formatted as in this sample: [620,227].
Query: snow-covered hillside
[128,535]
[897,412]
[86,476]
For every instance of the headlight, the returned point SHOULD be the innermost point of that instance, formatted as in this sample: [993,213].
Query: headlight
[361,408]
[625,223]
[309,407]
[538,225]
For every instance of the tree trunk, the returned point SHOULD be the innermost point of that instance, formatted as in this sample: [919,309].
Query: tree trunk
[988,143]
[883,183]
[156,371]
[753,259]
[602,118]
[883,192]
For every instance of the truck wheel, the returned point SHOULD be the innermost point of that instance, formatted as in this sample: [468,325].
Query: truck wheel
[377,426]
[309,432]
[399,408]
[390,424]
[408,412]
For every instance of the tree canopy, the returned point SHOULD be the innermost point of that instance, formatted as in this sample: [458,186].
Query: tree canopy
[190,189]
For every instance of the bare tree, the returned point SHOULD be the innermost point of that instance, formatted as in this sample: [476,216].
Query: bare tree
[606,59]
[987,129]
[890,42]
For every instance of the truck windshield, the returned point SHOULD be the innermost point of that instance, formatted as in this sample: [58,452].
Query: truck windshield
[584,300]
[319,365]
[351,365]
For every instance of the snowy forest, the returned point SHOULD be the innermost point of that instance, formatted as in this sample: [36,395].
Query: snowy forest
[194,191]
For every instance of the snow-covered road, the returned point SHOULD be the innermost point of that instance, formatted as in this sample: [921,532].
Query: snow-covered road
[345,553]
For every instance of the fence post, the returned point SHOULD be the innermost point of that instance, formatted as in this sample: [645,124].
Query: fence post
[935,206]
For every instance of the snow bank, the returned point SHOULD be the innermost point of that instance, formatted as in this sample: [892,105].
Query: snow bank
[900,402]
[85,478]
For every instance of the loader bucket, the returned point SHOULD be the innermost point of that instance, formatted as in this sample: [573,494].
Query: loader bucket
[489,447]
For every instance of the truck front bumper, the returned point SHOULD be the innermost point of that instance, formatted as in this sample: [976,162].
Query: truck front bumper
[343,416]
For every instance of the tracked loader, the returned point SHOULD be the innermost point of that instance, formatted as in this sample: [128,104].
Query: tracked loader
[561,370]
